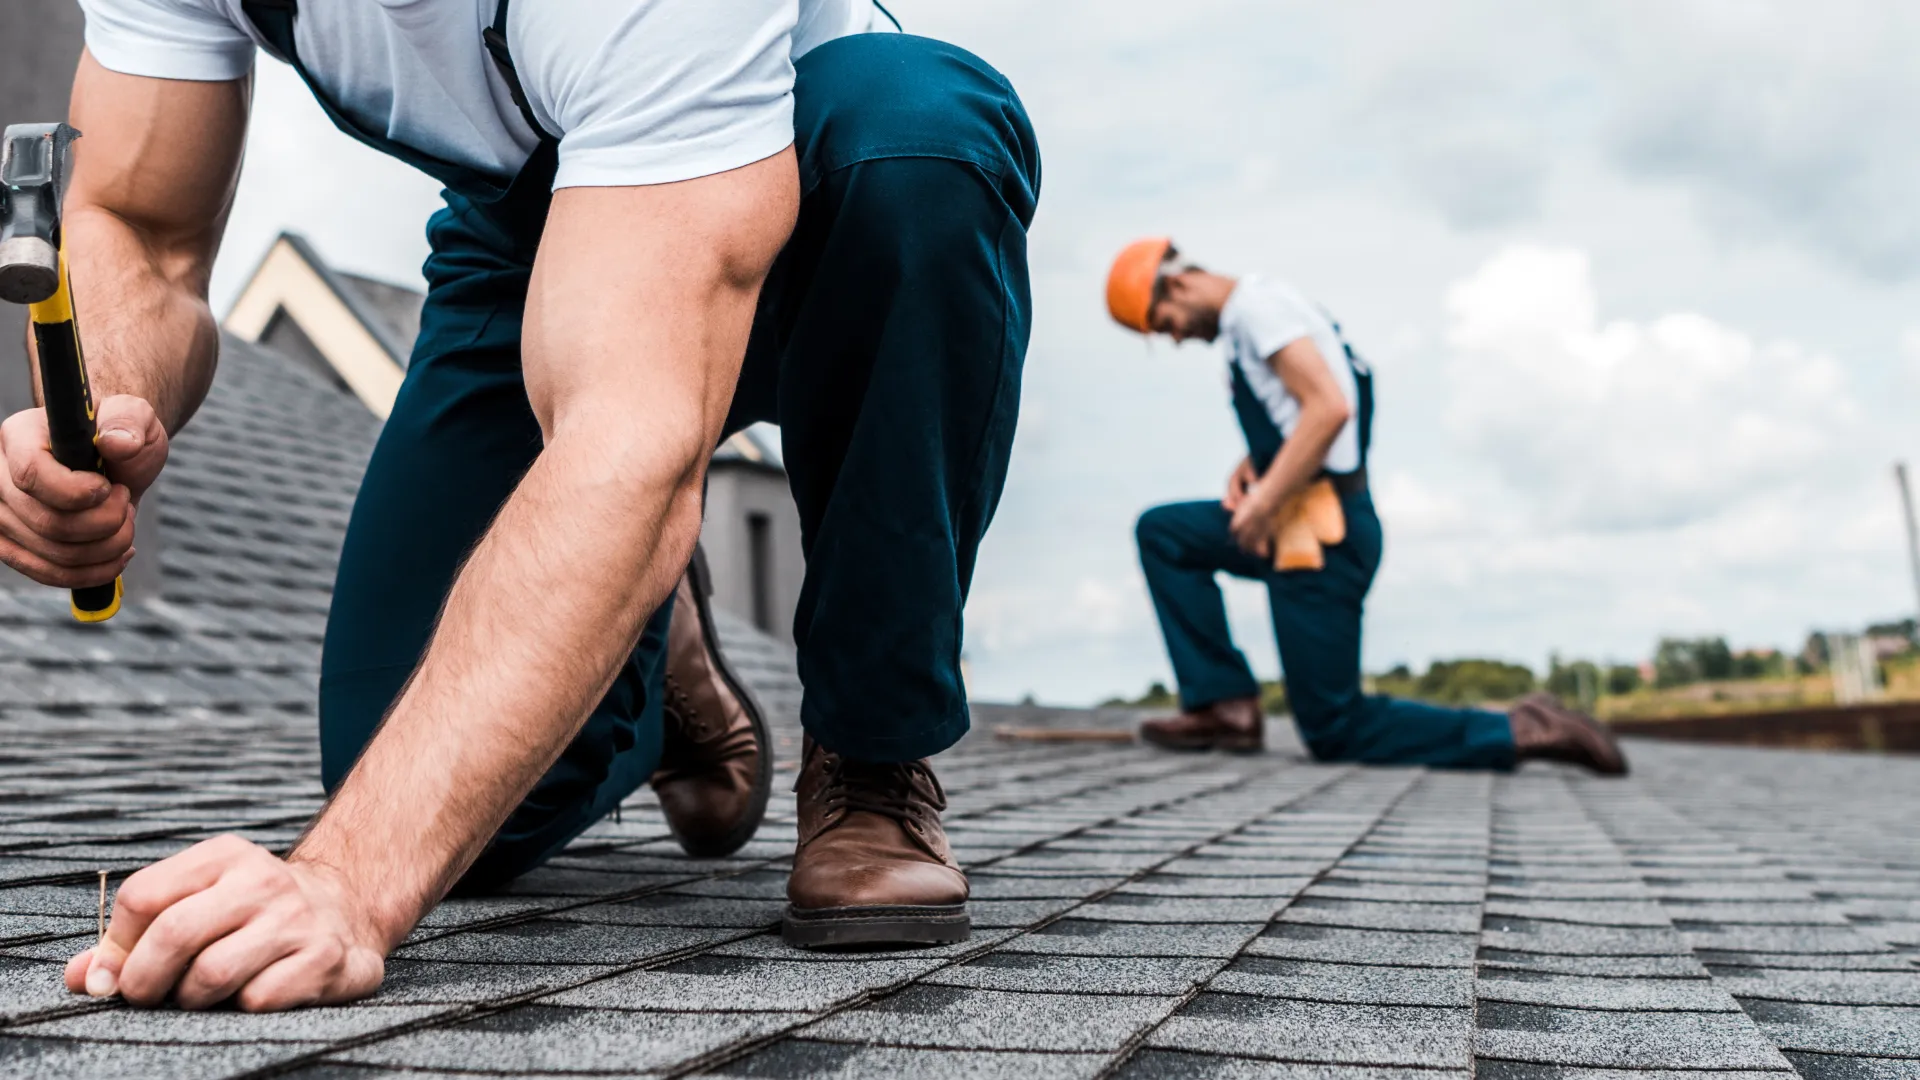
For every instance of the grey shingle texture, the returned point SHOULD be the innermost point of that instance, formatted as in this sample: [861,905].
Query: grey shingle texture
[1721,915]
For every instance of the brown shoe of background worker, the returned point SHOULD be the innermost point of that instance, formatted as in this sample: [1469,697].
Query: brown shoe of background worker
[1543,730]
[873,864]
[1234,724]
[716,762]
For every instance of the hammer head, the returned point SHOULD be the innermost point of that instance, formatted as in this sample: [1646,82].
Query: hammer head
[33,168]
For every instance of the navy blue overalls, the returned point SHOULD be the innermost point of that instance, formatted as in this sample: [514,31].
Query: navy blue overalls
[888,344]
[1316,619]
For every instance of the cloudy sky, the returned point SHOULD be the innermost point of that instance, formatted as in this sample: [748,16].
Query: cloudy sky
[1641,286]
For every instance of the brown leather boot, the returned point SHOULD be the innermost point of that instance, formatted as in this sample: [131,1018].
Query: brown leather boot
[1548,731]
[1234,724]
[716,762]
[873,866]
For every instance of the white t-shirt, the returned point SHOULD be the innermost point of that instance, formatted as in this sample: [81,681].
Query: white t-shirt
[1262,317]
[639,91]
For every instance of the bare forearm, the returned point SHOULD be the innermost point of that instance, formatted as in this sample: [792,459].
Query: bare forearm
[631,362]
[153,180]
[533,632]
[147,326]
[1303,454]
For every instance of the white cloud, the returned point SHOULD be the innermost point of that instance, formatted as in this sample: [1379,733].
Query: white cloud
[1601,482]
[1444,117]
[1786,122]
[1625,424]
[1716,160]
[1419,508]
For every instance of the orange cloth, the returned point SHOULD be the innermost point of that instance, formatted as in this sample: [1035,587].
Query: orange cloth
[1307,522]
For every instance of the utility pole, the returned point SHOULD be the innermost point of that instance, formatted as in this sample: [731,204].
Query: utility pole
[1913,530]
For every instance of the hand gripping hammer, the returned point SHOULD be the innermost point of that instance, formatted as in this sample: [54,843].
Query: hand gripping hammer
[33,271]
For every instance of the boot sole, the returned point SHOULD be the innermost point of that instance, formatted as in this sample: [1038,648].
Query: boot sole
[854,927]
[735,838]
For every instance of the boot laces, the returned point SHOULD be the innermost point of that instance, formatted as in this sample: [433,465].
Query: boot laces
[681,711]
[691,748]
[907,792]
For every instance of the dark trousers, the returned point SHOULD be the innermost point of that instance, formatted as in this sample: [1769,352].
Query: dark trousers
[888,345]
[1316,619]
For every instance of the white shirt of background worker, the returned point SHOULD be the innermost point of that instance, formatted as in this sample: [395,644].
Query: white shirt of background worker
[1260,318]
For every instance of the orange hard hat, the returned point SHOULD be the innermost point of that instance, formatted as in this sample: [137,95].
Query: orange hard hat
[1130,282]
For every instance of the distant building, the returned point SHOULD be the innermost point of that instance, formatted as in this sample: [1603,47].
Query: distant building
[752,534]
[1888,646]
[357,333]
[1894,638]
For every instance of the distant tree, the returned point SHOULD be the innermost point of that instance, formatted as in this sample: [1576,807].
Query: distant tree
[1156,697]
[1714,658]
[1674,663]
[1623,679]
[1273,696]
[1815,652]
[1463,682]
[1397,681]
[1680,661]
[1759,664]
[1566,680]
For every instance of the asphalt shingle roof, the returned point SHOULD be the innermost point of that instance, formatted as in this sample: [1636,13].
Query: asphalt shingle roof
[1141,915]
[1721,914]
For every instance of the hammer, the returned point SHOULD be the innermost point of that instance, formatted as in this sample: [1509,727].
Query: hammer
[33,271]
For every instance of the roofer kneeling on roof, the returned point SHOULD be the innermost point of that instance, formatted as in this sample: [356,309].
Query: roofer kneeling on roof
[1297,518]
[665,220]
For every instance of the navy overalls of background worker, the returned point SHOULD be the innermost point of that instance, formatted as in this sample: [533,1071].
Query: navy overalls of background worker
[1304,400]
[665,220]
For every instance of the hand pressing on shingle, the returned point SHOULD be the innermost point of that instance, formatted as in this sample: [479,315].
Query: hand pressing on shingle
[228,919]
[73,529]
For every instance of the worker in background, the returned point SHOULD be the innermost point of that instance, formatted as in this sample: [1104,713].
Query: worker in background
[1296,517]
[665,220]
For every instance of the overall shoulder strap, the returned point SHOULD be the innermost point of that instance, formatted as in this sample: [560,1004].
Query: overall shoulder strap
[274,20]
[495,39]
[1256,424]
[1362,385]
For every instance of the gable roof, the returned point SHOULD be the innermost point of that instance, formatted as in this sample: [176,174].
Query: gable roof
[358,327]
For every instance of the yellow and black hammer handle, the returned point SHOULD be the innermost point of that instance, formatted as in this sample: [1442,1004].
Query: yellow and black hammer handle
[33,271]
[70,425]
